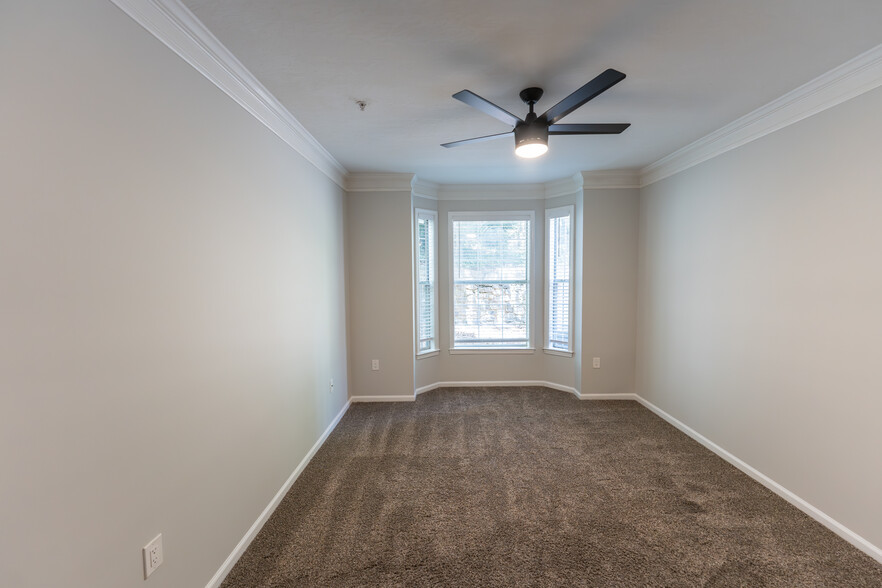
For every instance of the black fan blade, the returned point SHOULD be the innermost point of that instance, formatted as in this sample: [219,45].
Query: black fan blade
[487,107]
[477,139]
[588,129]
[598,85]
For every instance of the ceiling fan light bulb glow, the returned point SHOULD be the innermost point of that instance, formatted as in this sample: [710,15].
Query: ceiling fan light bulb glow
[531,150]
[531,138]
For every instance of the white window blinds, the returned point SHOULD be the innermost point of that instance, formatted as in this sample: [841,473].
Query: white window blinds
[559,279]
[491,280]
[426,272]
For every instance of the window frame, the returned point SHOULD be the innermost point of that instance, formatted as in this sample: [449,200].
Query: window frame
[497,215]
[551,214]
[433,216]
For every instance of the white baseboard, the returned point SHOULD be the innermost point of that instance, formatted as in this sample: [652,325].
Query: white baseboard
[428,388]
[619,396]
[560,387]
[826,520]
[231,560]
[542,383]
[817,514]
[859,542]
[496,384]
[382,399]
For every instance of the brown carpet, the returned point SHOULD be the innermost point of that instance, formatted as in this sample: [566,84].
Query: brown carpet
[532,487]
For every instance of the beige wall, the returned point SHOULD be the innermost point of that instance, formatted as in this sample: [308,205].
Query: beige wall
[380,269]
[381,245]
[378,234]
[171,302]
[609,290]
[760,312]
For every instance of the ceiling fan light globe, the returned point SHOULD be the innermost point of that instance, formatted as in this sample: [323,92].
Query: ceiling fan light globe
[531,150]
[531,138]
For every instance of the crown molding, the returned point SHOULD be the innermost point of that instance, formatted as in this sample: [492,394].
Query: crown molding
[611,178]
[379,182]
[491,192]
[594,180]
[564,187]
[172,23]
[424,188]
[851,79]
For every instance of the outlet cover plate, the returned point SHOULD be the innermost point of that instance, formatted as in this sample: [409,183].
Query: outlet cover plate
[152,555]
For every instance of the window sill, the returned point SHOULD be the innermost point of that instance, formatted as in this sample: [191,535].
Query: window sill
[427,354]
[558,352]
[497,351]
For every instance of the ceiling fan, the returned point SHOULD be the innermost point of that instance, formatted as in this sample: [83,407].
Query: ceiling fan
[531,133]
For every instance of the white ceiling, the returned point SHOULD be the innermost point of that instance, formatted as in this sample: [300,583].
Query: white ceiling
[692,65]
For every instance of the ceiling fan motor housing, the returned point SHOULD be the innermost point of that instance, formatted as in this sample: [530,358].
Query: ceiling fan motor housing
[531,131]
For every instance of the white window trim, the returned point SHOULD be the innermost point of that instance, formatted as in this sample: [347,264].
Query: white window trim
[433,214]
[528,215]
[549,351]
[552,213]
[492,351]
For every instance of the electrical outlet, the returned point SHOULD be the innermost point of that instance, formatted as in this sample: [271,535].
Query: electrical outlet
[596,363]
[375,365]
[152,555]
